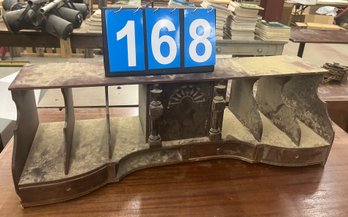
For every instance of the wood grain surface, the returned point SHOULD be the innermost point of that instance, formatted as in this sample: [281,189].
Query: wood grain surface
[334,92]
[336,98]
[84,73]
[210,188]
[318,36]
[80,38]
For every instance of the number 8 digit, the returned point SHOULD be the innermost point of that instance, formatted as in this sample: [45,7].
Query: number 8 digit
[197,39]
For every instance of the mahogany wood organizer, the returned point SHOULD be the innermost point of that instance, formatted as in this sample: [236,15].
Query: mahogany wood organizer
[182,118]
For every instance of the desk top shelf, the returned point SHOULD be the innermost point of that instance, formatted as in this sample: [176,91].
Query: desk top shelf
[83,74]
[92,154]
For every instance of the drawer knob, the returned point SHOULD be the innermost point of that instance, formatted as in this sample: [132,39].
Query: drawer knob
[259,50]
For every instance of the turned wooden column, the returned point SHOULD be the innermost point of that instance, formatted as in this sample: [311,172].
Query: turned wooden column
[155,112]
[218,107]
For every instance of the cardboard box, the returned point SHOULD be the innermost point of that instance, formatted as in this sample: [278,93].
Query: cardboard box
[298,18]
[319,26]
[286,14]
[322,19]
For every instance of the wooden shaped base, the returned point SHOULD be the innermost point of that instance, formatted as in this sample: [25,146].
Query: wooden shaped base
[279,121]
[44,181]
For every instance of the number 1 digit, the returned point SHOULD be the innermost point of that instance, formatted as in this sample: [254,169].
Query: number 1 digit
[129,31]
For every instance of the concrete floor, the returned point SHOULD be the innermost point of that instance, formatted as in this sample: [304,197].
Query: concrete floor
[318,54]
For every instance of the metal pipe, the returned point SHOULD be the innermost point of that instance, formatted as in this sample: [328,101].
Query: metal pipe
[36,2]
[50,6]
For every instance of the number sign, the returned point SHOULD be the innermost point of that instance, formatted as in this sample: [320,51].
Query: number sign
[163,38]
[200,40]
[125,49]
[158,41]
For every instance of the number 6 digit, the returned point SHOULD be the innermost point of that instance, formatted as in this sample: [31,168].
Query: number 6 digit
[197,39]
[157,41]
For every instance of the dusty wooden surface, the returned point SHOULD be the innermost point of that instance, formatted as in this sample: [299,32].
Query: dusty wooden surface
[90,143]
[82,74]
[30,38]
[210,188]
[318,36]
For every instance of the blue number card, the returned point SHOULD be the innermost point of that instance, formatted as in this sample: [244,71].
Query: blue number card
[125,45]
[163,41]
[147,41]
[200,43]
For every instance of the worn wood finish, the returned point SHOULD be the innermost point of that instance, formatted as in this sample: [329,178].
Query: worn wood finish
[334,92]
[300,93]
[82,74]
[338,111]
[68,126]
[65,48]
[299,35]
[91,169]
[91,164]
[107,116]
[211,188]
[56,114]
[243,105]
[30,38]
[26,126]
[269,99]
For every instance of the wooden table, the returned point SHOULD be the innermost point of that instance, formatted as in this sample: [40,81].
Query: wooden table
[80,38]
[210,188]
[336,97]
[322,3]
[332,2]
[29,38]
[301,5]
[303,36]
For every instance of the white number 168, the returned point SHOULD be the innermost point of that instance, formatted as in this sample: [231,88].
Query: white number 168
[128,31]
